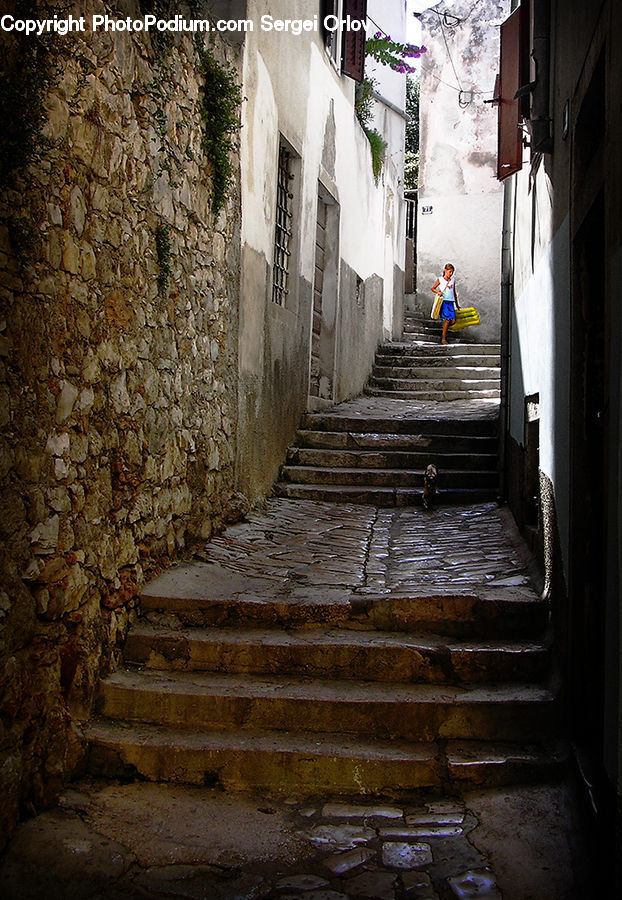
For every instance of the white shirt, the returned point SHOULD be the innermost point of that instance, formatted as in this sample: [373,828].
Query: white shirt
[447,287]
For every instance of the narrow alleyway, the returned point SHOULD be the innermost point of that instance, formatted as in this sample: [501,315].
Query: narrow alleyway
[334,699]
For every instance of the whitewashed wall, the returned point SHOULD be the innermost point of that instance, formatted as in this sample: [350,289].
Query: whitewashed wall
[460,199]
[294,90]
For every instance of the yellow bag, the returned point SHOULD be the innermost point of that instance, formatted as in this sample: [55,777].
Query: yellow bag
[464,318]
[436,306]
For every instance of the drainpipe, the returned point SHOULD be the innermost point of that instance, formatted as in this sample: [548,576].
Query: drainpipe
[506,286]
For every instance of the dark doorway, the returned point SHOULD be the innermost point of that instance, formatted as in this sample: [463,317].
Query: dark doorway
[588,488]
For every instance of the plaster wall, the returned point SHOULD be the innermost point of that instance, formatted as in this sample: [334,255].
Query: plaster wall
[460,200]
[296,95]
[392,127]
[470,248]
[540,336]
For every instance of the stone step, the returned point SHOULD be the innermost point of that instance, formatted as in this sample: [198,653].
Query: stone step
[185,595]
[433,337]
[420,321]
[299,765]
[431,360]
[489,394]
[392,443]
[406,348]
[456,381]
[497,764]
[396,459]
[344,653]
[380,496]
[330,421]
[421,330]
[452,478]
[419,341]
[461,371]
[419,712]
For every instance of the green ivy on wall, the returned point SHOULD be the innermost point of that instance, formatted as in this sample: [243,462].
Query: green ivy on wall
[163,254]
[24,80]
[363,106]
[220,113]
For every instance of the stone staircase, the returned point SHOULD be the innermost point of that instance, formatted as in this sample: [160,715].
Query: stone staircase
[421,368]
[298,680]
[366,695]
[425,371]
[380,460]
[378,454]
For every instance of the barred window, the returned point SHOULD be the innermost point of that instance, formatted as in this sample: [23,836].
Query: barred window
[283,229]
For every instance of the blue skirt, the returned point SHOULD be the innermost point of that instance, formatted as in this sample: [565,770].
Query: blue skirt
[448,310]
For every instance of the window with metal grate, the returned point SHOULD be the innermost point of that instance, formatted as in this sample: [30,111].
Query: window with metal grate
[283,228]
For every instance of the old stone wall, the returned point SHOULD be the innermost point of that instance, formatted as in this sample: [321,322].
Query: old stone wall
[118,361]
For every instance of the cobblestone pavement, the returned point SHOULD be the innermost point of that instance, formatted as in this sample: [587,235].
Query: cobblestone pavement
[398,408]
[296,546]
[114,842]
[111,841]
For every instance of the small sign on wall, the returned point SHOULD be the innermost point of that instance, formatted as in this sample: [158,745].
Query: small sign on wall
[426,210]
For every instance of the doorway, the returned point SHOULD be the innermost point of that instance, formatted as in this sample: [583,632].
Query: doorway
[325,298]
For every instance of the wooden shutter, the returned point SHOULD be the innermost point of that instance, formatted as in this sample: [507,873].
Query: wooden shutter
[353,42]
[510,151]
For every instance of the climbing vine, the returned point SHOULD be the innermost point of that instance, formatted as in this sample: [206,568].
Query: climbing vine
[364,99]
[23,85]
[364,106]
[389,53]
[163,254]
[220,115]
[378,147]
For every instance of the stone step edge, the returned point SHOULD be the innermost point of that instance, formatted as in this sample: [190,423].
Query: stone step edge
[361,470]
[482,426]
[298,688]
[427,386]
[453,341]
[169,645]
[435,373]
[377,495]
[404,712]
[398,346]
[439,611]
[300,764]
[344,635]
[434,386]
[364,452]
[433,657]
[434,394]
[387,458]
[374,439]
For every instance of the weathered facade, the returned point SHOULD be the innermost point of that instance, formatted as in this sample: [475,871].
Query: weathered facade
[562,255]
[119,366]
[313,343]
[460,201]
